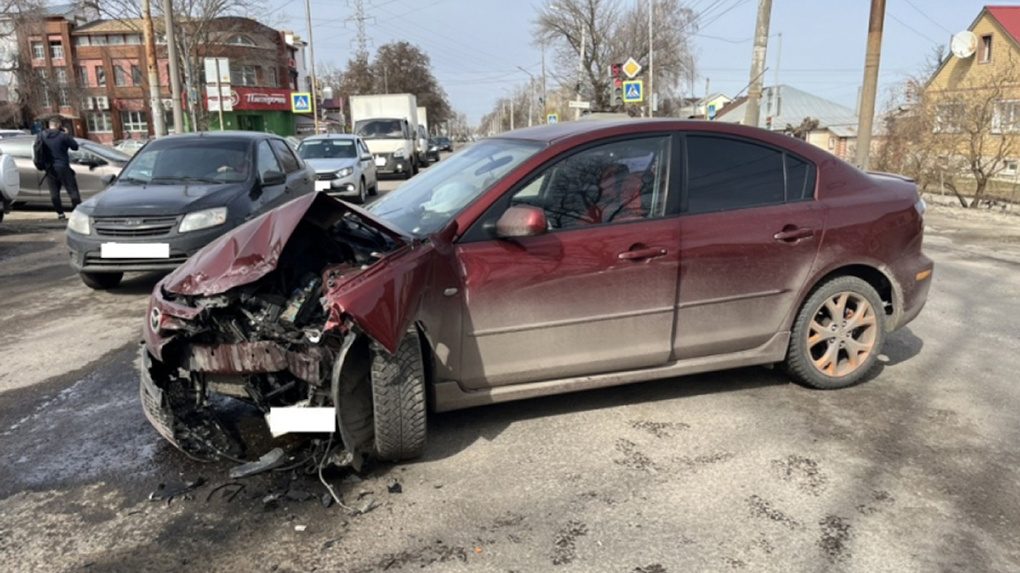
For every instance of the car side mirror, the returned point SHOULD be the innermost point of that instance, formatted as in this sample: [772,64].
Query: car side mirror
[270,178]
[366,157]
[108,179]
[521,221]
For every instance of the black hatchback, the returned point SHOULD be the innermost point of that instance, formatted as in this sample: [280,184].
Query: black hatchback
[178,194]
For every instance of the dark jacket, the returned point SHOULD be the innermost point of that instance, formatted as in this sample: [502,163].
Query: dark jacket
[58,143]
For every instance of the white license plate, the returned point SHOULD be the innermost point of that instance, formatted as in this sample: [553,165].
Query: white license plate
[380,162]
[321,185]
[134,250]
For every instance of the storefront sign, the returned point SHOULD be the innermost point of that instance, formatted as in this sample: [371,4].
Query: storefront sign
[255,99]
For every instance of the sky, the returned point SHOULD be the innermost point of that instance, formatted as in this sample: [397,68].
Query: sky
[476,46]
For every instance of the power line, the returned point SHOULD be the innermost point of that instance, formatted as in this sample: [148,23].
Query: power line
[929,18]
[909,27]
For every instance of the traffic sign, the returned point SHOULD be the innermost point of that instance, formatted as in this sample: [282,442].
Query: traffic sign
[580,104]
[711,111]
[631,68]
[301,102]
[552,118]
[633,91]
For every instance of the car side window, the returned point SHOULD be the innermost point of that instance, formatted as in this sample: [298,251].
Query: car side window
[267,160]
[724,173]
[19,149]
[618,181]
[289,163]
[363,149]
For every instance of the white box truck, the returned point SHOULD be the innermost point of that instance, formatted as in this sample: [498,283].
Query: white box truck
[389,125]
[423,136]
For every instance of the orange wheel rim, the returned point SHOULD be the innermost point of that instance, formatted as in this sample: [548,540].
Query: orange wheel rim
[842,334]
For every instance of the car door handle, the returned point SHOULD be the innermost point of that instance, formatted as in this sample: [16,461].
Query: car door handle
[640,254]
[791,234]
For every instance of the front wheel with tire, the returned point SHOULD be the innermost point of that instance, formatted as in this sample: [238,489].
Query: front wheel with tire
[362,192]
[837,335]
[101,281]
[398,398]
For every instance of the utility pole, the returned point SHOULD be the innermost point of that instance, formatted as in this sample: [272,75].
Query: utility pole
[175,73]
[545,96]
[580,64]
[155,107]
[708,82]
[651,60]
[871,60]
[315,87]
[531,103]
[761,41]
[774,100]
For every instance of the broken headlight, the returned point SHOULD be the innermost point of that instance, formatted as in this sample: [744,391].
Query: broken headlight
[203,219]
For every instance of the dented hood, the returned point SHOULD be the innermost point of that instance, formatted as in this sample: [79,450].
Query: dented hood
[252,250]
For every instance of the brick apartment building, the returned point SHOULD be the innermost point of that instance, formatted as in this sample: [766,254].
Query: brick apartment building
[95,75]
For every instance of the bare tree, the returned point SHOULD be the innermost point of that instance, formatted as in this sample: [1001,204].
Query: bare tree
[611,32]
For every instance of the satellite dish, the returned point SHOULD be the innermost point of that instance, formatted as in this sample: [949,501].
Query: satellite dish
[963,45]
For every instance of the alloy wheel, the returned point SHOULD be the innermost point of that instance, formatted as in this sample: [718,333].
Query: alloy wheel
[842,334]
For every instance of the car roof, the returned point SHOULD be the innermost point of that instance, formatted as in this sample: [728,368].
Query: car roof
[331,136]
[552,133]
[222,134]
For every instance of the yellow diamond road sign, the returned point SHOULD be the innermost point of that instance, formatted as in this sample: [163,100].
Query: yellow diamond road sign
[631,68]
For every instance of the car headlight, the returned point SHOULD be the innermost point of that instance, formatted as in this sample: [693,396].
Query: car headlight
[398,154]
[79,223]
[203,219]
[432,148]
[345,172]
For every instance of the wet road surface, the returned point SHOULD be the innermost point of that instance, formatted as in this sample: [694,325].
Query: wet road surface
[915,470]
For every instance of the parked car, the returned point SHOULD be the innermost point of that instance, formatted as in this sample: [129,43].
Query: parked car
[444,144]
[92,163]
[5,133]
[10,184]
[545,260]
[175,196]
[130,146]
[344,167]
[433,154]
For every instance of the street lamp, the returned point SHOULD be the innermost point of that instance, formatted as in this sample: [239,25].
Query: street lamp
[531,102]
[511,108]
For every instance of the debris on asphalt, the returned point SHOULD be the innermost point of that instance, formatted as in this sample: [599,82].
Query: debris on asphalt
[271,499]
[326,500]
[169,491]
[298,495]
[366,507]
[271,459]
[395,487]
[234,487]
[300,528]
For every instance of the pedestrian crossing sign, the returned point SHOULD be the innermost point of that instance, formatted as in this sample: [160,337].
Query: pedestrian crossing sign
[633,91]
[552,118]
[301,102]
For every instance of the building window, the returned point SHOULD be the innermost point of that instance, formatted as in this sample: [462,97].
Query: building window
[61,75]
[116,40]
[83,75]
[949,117]
[1011,167]
[136,75]
[272,80]
[38,51]
[99,40]
[63,97]
[1006,117]
[100,76]
[56,51]
[133,39]
[118,76]
[240,40]
[243,76]
[81,40]
[134,121]
[100,122]
[986,49]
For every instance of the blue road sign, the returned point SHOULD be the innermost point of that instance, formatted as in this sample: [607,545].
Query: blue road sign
[633,91]
[711,111]
[301,102]
[552,118]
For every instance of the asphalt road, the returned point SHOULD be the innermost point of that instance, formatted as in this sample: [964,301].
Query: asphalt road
[916,470]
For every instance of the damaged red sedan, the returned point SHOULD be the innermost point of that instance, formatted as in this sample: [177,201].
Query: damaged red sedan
[546,260]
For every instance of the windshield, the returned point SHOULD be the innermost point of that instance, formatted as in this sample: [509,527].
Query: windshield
[213,160]
[380,129]
[327,149]
[107,153]
[426,203]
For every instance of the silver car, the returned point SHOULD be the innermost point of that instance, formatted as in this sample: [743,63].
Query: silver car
[343,165]
[91,164]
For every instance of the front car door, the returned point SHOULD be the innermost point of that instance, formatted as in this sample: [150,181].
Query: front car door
[367,165]
[299,180]
[268,196]
[594,294]
[750,231]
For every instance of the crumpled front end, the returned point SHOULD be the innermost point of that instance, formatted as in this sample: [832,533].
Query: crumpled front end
[266,320]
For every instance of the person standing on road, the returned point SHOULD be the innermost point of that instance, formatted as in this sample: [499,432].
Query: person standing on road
[58,142]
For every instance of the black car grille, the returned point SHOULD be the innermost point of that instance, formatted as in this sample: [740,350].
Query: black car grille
[134,226]
[326,176]
[95,260]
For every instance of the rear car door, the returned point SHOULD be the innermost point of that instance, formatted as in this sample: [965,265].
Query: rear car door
[751,229]
[300,179]
[595,293]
